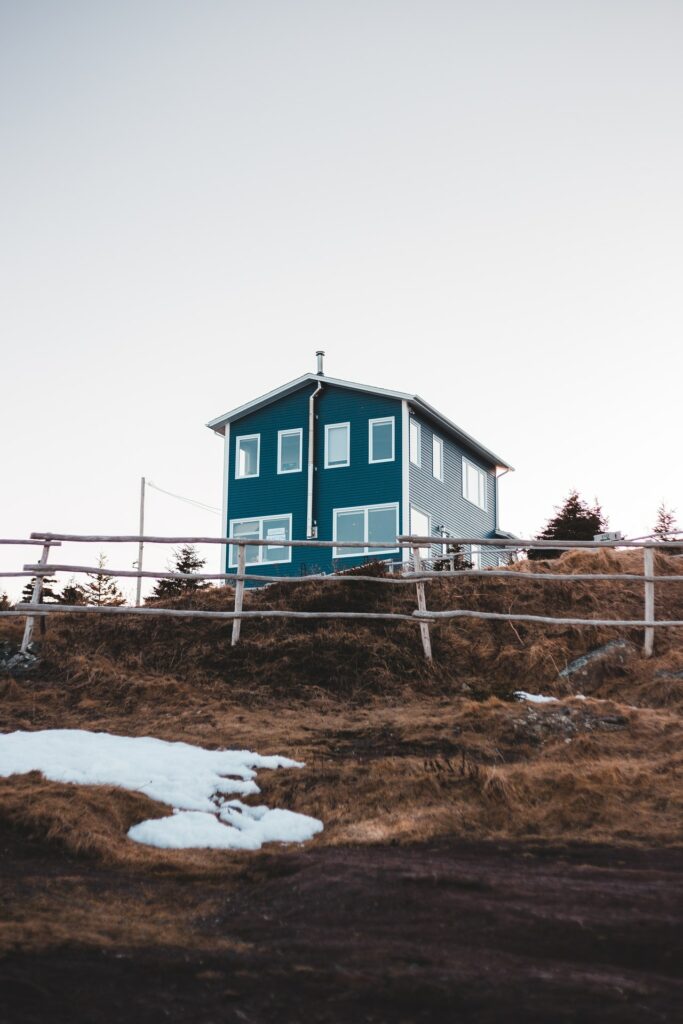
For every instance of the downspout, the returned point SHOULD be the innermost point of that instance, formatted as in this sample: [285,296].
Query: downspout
[310,531]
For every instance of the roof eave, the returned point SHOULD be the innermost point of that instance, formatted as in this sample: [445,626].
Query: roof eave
[219,423]
[461,434]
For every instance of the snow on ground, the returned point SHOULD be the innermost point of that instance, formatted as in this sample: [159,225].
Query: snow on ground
[194,781]
[534,698]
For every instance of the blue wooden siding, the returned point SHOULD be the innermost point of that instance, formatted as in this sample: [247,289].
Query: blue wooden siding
[359,484]
[443,500]
[362,482]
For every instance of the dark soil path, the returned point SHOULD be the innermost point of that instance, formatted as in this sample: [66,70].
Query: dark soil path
[439,932]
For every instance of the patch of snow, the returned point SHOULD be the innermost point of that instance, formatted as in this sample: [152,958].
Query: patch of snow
[192,780]
[248,828]
[534,698]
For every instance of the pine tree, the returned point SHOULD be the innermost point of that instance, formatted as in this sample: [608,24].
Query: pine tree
[48,593]
[453,559]
[666,527]
[186,559]
[575,520]
[5,604]
[73,593]
[102,590]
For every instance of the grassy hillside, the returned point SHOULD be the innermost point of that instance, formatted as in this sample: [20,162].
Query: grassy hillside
[396,750]
[478,851]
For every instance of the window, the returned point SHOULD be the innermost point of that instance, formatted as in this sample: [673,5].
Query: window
[420,526]
[289,450]
[370,524]
[381,440]
[337,437]
[474,484]
[270,528]
[415,443]
[475,556]
[247,453]
[437,457]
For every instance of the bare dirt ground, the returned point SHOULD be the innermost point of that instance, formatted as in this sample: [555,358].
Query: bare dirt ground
[482,860]
[439,931]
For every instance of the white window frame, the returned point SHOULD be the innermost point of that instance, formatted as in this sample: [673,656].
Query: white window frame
[483,475]
[424,552]
[415,456]
[261,548]
[436,440]
[338,465]
[371,424]
[287,433]
[362,552]
[247,437]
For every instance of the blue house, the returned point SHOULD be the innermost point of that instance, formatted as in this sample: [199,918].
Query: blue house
[333,460]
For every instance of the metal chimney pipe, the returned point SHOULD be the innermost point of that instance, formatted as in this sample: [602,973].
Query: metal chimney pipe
[320,355]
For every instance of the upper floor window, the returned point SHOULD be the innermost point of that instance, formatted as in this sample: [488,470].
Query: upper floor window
[474,484]
[437,457]
[381,440]
[247,456]
[415,443]
[337,445]
[289,450]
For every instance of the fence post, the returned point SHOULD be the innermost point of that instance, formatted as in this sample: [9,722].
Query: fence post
[649,570]
[35,599]
[422,606]
[239,590]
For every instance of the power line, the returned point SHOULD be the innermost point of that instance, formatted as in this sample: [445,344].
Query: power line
[189,501]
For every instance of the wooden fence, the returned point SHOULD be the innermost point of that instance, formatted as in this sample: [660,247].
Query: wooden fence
[413,574]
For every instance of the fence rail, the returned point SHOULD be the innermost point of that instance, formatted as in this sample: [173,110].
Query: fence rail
[412,574]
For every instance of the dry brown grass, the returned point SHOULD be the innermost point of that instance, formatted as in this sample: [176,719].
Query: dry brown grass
[395,750]
[127,659]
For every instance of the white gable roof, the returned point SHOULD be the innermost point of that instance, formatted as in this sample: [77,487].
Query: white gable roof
[219,423]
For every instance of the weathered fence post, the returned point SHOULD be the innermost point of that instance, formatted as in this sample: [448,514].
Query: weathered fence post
[422,605]
[649,570]
[35,599]
[239,590]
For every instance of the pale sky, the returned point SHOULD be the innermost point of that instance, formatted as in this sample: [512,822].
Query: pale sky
[477,202]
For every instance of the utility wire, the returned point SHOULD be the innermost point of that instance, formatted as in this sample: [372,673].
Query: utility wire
[189,501]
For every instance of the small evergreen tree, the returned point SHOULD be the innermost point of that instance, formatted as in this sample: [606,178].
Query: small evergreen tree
[453,559]
[666,527]
[101,589]
[48,593]
[73,593]
[5,604]
[186,559]
[575,520]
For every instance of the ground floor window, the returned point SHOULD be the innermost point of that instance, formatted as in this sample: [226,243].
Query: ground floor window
[420,526]
[271,528]
[366,524]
